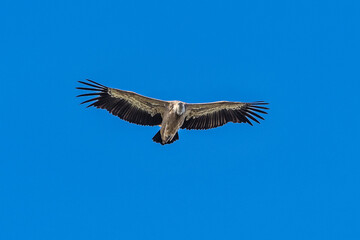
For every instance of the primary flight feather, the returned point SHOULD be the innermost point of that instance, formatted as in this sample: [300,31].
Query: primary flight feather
[171,115]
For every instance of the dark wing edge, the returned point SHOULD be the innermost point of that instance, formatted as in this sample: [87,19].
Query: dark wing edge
[128,106]
[220,113]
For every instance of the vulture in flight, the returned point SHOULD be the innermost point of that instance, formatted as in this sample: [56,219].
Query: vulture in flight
[170,115]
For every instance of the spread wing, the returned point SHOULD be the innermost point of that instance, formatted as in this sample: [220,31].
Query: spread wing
[129,106]
[216,114]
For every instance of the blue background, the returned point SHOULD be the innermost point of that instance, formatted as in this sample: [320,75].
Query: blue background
[67,172]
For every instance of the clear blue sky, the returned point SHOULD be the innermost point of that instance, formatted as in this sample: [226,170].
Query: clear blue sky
[67,172]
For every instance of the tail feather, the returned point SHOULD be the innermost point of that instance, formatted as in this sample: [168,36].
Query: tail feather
[157,138]
[176,137]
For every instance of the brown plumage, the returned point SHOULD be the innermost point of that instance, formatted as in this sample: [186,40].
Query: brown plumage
[171,115]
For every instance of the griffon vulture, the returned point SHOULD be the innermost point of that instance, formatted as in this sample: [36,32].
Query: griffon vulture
[171,115]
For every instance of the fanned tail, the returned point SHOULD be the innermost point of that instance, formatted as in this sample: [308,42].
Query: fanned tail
[157,138]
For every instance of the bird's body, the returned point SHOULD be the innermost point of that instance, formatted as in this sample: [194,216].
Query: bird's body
[171,115]
[172,121]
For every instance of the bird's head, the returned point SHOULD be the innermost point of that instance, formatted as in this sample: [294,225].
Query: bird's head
[179,108]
